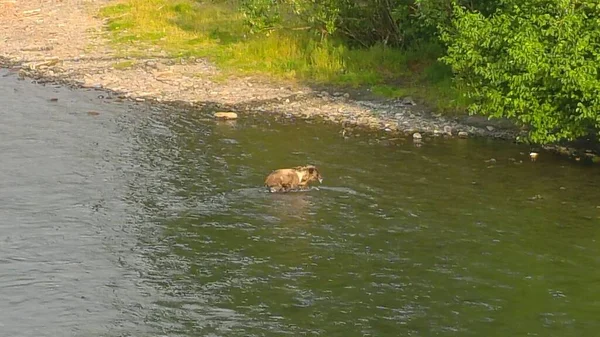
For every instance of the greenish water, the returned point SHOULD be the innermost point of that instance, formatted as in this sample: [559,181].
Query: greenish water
[142,221]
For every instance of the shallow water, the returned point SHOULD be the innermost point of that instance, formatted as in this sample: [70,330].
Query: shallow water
[143,221]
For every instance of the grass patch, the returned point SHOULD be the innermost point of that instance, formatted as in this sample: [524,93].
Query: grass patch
[123,65]
[215,30]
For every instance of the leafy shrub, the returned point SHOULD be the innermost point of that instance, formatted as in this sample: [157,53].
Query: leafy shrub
[536,61]
[358,22]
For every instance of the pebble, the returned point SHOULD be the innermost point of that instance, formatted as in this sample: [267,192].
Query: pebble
[417,135]
[225,115]
[408,101]
[463,134]
[533,156]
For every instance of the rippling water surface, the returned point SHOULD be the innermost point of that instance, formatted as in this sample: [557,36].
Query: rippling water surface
[138,221]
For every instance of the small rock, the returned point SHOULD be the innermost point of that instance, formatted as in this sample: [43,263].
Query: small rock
[226,115]
[492,160]
[490,128]
[346,95]
[408,101]
[139,99]
[463,134]
[54,99]
[533,156]
[417,135]
[448,130]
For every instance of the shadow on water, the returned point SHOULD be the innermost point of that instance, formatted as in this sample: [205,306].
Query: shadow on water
[149,218]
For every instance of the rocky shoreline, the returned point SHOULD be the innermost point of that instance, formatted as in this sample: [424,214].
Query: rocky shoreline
[64,43]
[398,116]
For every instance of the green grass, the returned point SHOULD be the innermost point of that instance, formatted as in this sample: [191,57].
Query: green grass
[186,28]
[123,65]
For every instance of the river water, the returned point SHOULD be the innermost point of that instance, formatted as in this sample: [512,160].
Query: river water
[136,220]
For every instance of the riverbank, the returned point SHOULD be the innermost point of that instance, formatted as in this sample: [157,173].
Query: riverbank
[65,42]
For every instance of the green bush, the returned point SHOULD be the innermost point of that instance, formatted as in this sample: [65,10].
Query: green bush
[361,23]
[397,23]
[536,61]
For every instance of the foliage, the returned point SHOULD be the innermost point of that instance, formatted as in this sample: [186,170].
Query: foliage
[363,23]
[261,15]
[397,23]
[537,61]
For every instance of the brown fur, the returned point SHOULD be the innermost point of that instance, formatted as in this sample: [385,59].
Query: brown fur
[284,180]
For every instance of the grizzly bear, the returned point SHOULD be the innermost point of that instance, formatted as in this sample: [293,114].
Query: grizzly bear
[284,180]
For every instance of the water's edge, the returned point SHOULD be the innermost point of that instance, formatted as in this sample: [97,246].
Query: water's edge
[377,123]
[392,116]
